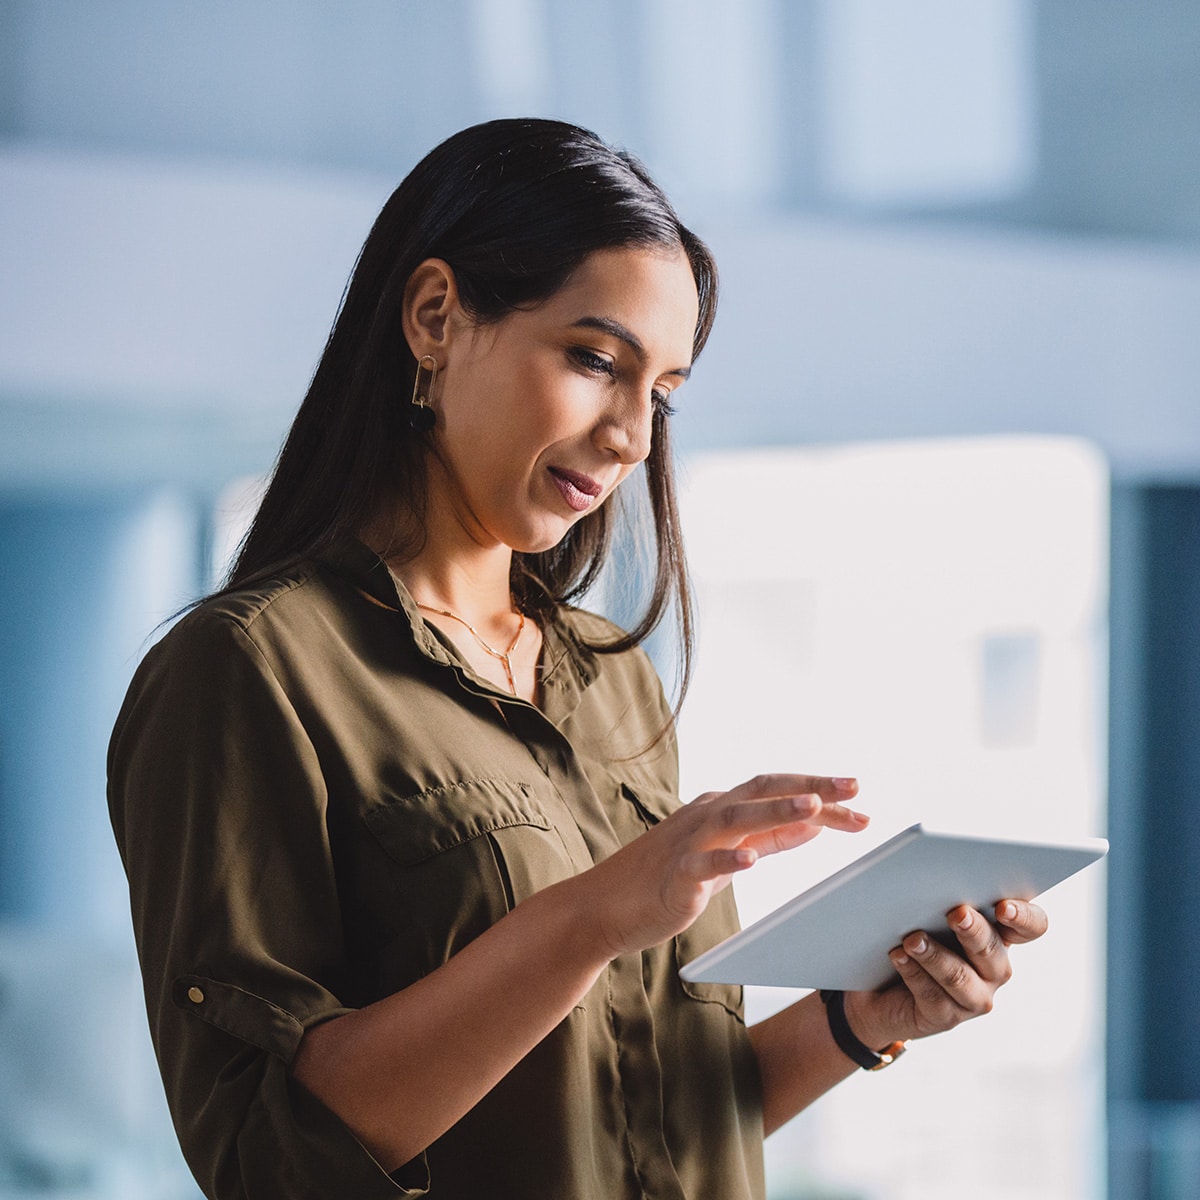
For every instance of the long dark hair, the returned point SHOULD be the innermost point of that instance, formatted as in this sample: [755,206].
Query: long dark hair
[514,207]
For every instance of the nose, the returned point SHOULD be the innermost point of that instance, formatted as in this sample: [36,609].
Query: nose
[625,428]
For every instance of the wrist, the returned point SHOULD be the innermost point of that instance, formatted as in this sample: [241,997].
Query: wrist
[865,1023]
[579,904]
[873,1054]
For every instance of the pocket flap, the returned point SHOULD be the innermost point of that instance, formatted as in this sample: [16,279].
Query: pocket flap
[654,803]
[414,828]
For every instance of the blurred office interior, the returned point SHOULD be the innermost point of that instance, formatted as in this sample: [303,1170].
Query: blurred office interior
[960,253]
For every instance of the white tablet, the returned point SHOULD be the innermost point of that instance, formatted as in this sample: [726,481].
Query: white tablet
[838,933]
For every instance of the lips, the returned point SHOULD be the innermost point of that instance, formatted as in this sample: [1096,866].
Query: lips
[579,491]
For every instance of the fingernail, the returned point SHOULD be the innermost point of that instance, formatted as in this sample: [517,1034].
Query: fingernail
[843,785]
[920,946]
[900,958]
[1008,911]
[806,804]
[964,922]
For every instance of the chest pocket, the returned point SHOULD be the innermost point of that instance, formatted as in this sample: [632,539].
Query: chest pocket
[466,853]
[718,921]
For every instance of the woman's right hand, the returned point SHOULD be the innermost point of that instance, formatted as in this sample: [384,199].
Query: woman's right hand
[656,886]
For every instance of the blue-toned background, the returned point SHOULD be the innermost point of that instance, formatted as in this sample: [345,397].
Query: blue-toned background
[933,217]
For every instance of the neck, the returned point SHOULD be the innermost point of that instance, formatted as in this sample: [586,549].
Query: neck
[476,611]
[442,564]
[455,565]
[463,588]
[475,588]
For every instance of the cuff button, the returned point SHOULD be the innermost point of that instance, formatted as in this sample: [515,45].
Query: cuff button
[195,995]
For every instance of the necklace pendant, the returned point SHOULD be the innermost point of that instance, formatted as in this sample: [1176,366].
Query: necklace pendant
[503,655]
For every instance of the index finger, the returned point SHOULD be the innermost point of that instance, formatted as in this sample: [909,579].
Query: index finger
[766,786]
[789,820]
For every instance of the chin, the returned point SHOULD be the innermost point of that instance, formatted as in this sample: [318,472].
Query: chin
[539,541]
[539,545]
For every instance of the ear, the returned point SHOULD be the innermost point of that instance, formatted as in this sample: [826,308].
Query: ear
[430,308]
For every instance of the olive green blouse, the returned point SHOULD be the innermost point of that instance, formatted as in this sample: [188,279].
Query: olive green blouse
[318,802]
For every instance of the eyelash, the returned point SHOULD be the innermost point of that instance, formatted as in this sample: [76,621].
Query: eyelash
[599,365]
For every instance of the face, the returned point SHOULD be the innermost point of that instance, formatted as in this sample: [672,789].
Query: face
[542,415]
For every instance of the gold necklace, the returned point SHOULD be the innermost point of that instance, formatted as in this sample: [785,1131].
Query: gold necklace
[502,655]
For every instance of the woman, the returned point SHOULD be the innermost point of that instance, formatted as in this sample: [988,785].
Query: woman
[410,878]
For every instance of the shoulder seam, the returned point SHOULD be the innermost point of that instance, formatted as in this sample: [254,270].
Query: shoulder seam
[215,612]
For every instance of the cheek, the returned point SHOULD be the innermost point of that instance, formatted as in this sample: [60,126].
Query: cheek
[553,401]
[517,411]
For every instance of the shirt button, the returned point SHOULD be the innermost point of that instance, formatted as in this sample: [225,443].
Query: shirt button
[195,995]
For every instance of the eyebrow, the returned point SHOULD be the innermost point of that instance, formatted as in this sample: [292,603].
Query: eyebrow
[619,331]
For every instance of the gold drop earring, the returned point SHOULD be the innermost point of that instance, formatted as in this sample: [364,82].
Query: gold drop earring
[421,417]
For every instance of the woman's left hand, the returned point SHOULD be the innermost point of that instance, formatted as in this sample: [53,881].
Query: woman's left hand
[939,987]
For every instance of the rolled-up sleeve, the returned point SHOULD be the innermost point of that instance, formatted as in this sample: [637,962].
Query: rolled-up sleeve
[219,808]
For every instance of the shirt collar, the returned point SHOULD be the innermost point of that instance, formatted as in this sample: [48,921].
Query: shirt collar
[360,566]
[568,667]
[568,663]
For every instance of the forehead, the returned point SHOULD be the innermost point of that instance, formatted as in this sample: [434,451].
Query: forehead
[649,291]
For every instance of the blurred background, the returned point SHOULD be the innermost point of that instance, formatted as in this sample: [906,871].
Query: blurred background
[941,463]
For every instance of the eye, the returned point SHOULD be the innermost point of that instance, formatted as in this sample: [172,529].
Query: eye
[592,362]
[597,364]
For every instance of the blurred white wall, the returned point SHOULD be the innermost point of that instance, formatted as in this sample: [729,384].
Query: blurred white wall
[929,617]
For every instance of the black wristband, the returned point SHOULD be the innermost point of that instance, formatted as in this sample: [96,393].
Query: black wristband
[850,1046]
